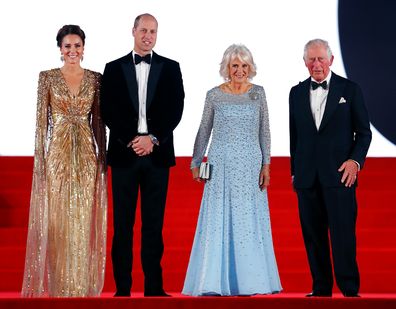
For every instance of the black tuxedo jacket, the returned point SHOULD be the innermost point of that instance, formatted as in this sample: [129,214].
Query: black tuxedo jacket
[344,133]
[120,108]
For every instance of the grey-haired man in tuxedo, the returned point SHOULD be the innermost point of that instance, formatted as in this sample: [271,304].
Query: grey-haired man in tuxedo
[329,139]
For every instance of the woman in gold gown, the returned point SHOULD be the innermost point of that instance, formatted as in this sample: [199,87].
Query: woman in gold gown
[66,244]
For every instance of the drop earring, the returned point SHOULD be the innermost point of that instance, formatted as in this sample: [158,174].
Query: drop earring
[62,58]
[82,58]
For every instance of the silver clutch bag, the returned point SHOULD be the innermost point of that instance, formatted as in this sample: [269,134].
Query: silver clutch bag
[204,171]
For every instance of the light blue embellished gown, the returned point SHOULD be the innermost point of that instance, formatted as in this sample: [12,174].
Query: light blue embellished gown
[232,253]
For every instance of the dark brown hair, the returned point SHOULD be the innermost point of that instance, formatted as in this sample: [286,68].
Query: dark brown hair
[69,29]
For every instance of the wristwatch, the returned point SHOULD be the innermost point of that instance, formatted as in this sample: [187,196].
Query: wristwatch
[154,140]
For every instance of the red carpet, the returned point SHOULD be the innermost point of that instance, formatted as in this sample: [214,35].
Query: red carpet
[281,301]
[376,232]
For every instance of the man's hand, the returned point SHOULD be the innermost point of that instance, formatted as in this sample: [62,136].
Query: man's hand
[142,145]
[350,169]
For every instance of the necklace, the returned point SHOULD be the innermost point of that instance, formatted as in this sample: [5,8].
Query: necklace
[242,89]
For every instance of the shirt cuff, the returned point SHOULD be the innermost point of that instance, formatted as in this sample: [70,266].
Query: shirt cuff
[357,164]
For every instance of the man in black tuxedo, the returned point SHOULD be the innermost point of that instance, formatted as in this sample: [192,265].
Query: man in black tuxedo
[142,100]
[329,139]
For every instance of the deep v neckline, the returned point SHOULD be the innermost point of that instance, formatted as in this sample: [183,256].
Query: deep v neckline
[69,90]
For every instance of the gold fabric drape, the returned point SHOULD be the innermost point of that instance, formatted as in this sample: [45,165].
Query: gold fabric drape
[66,243]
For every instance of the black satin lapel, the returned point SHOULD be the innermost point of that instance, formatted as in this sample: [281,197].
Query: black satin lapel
[130,77]
[335,93]
[155,71]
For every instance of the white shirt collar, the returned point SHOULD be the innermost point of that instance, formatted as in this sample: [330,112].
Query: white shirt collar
[133,54]
[327,79]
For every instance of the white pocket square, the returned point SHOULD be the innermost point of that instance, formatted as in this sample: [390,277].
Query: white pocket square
[342,100]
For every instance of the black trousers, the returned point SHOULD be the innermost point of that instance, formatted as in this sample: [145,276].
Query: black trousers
[323,212]
[152,182]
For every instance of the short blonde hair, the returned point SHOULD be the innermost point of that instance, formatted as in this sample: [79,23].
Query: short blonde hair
[243,54]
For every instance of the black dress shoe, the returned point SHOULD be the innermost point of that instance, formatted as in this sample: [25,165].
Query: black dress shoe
[318,294]
[122,294]
[349,294]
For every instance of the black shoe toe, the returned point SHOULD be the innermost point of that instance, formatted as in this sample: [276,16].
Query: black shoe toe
[349,294]
[122,294]
[156,294]
[319,294]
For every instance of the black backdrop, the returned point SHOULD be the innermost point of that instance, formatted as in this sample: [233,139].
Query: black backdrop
[367,31]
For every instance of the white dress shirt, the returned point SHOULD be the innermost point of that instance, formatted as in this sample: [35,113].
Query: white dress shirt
[318,100]
[318,104]
[142,73]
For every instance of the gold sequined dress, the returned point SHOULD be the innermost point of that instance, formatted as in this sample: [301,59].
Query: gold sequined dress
[66,244]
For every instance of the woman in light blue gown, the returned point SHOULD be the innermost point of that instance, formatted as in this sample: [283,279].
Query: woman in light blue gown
[232,253]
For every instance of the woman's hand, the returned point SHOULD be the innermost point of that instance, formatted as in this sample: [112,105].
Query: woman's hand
[195,174]
[264,177]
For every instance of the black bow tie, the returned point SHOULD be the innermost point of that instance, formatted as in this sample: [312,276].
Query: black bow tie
[315,85]
[146,59]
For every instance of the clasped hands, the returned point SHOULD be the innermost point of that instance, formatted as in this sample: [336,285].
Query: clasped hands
[141,145]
